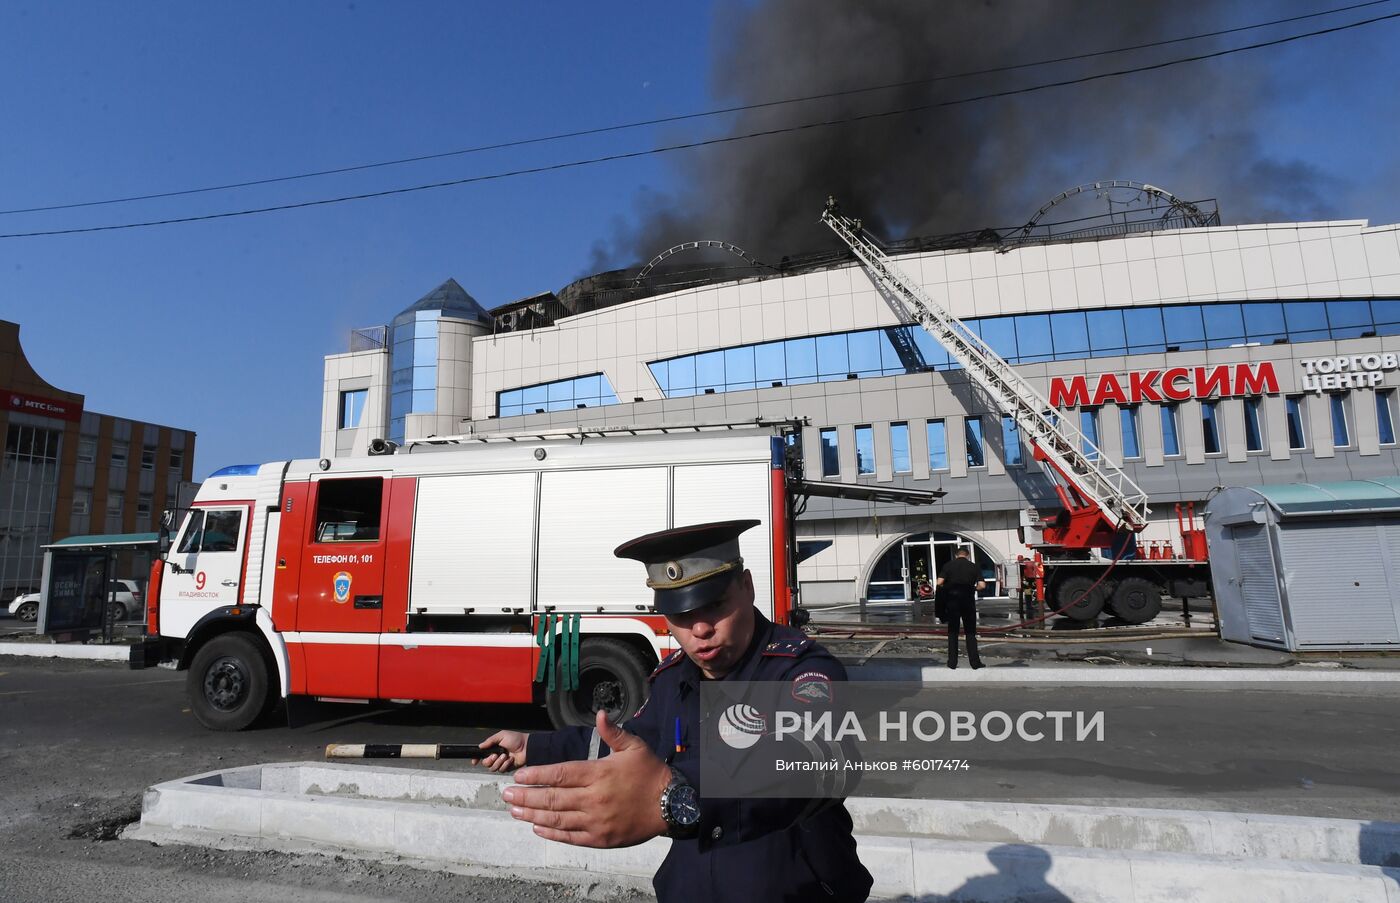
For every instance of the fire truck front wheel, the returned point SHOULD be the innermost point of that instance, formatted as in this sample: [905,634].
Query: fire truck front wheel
[612,675]
[228,683]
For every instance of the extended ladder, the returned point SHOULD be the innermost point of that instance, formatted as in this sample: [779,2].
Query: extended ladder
[1084,478]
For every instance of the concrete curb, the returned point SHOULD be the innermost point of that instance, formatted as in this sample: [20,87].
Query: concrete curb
[114,653]
[930,849]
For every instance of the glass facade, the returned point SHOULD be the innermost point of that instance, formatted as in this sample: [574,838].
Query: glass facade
[29,475]
[1011,442]
[1025,338]
[1210,426]
[1253,432]
[1341,435]
[1297,436]
[831,457]
[899,447]
[976,451]
[1089,426]
[352,408]
[561,395]
[1128,426]
[865,450]
[937,445]
[413,376]
[1171,442]
[1385,416]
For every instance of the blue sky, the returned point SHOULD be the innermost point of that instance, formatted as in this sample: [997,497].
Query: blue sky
[221,327]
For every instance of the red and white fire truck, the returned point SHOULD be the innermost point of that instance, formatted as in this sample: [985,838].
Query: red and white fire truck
[444,570]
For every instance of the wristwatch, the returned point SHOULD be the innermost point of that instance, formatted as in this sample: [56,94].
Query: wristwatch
[680,807]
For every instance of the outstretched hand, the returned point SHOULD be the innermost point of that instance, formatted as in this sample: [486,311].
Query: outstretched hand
[508,751]
[609,802]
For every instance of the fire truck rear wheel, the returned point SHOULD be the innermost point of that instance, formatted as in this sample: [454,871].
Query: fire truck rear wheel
[228,683]
[1090,602]
[1137,600]
[612,675]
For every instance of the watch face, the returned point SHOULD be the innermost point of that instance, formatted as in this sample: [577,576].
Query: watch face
[685,806]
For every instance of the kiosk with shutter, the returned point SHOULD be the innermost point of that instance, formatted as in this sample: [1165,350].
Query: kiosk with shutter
[1308,566]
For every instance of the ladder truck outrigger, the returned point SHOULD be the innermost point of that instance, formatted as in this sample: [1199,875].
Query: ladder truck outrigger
[1085,555]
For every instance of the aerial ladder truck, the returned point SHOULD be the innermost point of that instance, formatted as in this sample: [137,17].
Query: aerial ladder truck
[1085,554]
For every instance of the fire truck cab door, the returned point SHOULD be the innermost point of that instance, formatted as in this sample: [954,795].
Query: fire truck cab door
[341,586]
[206,565]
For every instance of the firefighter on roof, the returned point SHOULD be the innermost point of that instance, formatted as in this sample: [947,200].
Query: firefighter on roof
[645,780]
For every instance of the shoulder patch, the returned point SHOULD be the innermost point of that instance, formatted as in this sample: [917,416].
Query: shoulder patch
[675,658]
[790,647]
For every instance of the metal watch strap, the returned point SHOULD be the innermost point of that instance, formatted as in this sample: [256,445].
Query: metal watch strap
[675,831]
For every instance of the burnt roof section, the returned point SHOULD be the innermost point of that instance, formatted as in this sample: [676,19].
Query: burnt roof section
[614,287]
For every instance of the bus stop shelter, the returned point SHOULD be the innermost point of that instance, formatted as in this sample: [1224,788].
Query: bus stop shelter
[76,587]
[1308,566]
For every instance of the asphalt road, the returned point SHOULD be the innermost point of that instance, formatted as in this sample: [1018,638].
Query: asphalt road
[80,741]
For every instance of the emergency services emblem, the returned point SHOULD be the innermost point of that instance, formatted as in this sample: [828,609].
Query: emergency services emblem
[811,686]
[342,587]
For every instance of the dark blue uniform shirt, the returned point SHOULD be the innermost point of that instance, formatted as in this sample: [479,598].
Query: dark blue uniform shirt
[749,850]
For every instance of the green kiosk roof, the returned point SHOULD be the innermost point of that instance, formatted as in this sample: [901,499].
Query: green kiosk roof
[1381,494]
[106,541]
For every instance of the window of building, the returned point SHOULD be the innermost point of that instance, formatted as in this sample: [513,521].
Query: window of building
[1089,427]
[865,449]
[148,457]
[116,499]
[177,460]
[972,431]
[899,447]
[82,501]
[348,510]
[937,445]
[1297,436]
[1020,338]
[593,391]
[87,449]
[352,408]
[1128,425]
[831,457]
[143,507]
[1341,436]
[1171,441]
[1253,431]
[1011,441]
[1385,415]
[1210,426]
[119,453]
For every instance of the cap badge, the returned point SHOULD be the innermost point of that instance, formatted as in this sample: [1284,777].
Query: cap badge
[674,571]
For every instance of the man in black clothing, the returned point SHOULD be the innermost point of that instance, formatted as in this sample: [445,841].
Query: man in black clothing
[962,580]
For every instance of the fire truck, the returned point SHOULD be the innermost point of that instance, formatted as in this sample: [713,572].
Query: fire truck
[470,569]
[1085,554]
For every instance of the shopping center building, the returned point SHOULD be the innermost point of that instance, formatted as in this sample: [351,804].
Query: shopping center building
[68,471]
[1200,357]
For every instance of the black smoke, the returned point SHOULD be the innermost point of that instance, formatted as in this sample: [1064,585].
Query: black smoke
[1191,130]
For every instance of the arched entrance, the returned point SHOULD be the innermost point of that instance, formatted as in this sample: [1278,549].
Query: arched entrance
[906,571]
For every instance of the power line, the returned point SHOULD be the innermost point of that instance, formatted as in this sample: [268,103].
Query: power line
[682,117]
[690,145]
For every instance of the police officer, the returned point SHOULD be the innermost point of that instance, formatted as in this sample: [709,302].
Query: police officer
[962,580]
[645,781]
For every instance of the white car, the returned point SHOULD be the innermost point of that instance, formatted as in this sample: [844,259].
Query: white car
[125,595]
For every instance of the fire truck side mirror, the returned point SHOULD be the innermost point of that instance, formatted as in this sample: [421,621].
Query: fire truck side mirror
[163,545]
